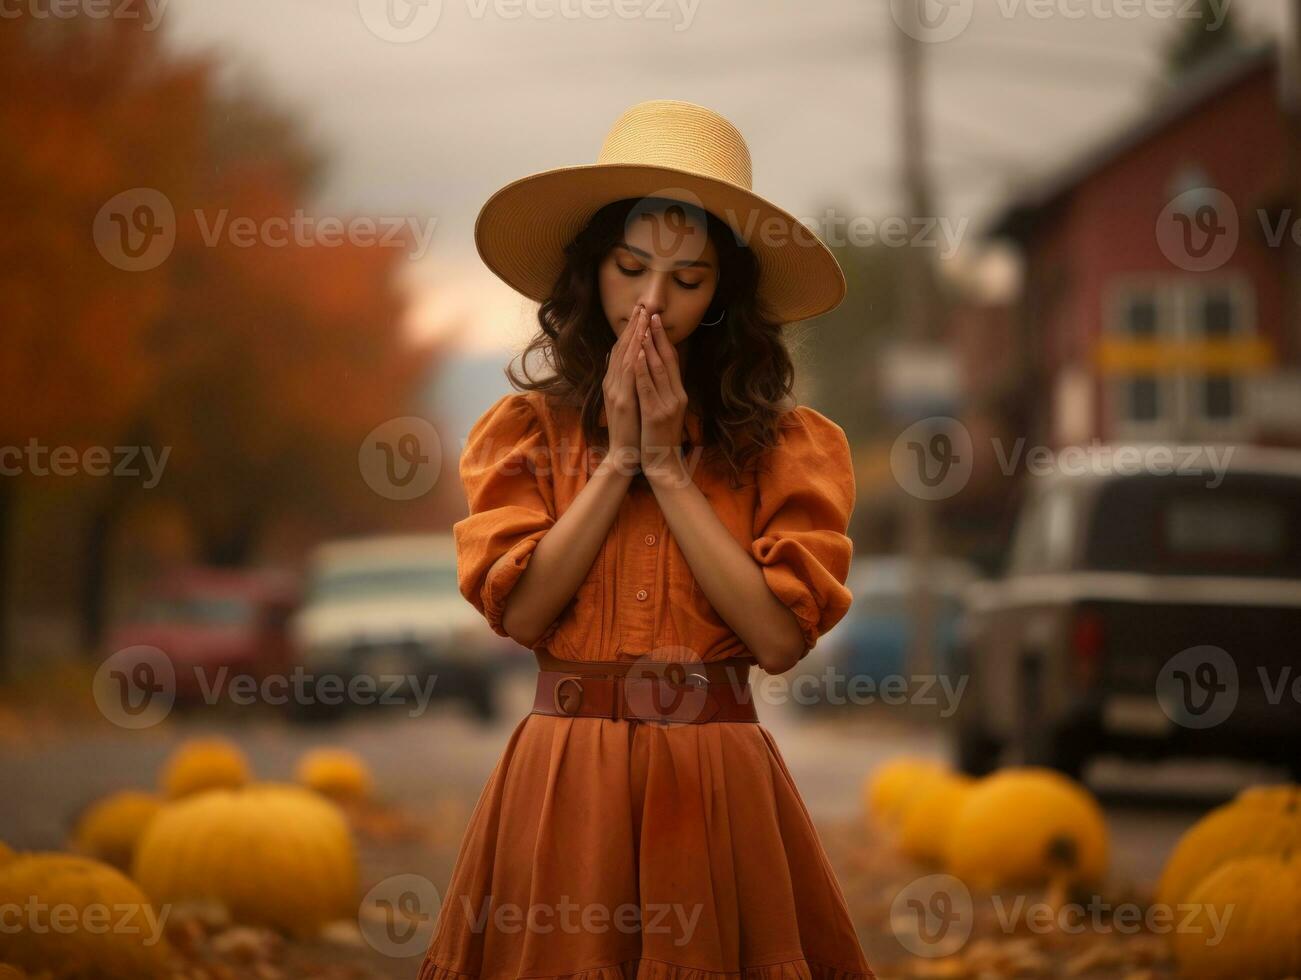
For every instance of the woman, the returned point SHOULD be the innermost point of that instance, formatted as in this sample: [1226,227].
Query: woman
[652,518]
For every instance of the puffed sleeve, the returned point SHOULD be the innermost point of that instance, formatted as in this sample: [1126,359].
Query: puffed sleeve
[504,469]
[806,496]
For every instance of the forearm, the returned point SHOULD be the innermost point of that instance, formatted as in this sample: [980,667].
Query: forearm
[727,573]
[565,554]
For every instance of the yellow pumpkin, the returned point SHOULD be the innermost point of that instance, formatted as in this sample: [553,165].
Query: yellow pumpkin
[1257,902]
[207,763]
[889,787]
[109,829]
[78,917]
[1027,825]
[1281,796]
[928,817]
[336,773]
[1263,823]
[272,854]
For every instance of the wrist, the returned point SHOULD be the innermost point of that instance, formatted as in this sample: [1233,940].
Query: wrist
[621,463]
[667,470]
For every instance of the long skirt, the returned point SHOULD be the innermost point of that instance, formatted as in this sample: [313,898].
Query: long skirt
[609,850]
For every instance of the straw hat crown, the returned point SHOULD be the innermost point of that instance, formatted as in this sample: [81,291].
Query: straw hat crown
[663,148]
[681,136]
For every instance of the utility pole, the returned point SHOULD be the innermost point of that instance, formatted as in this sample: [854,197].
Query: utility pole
[918,308]
[1290,101]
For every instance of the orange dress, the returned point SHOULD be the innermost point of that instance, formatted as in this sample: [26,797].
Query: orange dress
[611,850]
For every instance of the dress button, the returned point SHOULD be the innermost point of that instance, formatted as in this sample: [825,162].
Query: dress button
[641,595]
[650,539]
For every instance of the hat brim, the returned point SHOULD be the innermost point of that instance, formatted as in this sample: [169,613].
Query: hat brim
[522,231]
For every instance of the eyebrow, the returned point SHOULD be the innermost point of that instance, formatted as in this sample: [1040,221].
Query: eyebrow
[681,263]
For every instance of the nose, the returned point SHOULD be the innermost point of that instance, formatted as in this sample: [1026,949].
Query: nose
[653,295]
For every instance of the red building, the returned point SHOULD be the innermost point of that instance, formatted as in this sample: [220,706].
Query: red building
[1155,273]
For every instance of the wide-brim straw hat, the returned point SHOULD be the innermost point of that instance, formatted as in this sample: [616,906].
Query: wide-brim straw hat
[662,148]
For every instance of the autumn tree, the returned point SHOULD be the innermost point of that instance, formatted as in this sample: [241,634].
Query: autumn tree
[260,368]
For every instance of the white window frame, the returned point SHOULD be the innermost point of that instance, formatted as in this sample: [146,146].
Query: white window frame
[1181,411]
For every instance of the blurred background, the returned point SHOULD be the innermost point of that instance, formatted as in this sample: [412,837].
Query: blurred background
[246,331]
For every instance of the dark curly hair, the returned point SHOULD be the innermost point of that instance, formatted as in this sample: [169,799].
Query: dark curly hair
[738,377]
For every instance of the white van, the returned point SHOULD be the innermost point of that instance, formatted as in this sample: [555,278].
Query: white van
[388,606]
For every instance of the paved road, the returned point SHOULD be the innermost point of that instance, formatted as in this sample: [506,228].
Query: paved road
[420,761]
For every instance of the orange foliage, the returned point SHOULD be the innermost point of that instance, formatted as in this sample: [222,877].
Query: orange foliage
[262,368]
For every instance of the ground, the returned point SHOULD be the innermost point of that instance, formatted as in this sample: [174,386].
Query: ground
[429,771]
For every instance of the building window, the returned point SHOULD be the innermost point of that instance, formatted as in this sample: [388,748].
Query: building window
[1144,399]
[1165,399]
[1140,400]
[1218,313]
[1219,397]
[1140,316]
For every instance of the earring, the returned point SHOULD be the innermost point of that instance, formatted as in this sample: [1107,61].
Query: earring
[716,321]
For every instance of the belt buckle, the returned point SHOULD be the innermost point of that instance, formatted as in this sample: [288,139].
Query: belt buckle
[568,707]
[676,673]
[693,680]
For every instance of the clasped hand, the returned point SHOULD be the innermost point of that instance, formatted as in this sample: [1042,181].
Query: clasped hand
[645,403]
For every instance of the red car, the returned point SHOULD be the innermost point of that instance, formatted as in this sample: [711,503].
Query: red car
[206,619]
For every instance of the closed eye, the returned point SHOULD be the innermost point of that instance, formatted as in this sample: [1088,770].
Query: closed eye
[633,273]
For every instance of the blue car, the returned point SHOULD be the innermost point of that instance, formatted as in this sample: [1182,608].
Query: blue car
[874,638]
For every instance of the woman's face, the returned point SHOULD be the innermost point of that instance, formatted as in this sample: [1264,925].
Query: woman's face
[665,262]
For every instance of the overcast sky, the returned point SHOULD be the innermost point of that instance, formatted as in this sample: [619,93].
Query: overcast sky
[495,89]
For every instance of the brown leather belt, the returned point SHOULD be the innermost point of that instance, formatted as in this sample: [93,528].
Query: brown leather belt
[645,690]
